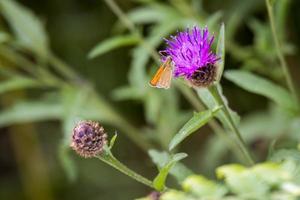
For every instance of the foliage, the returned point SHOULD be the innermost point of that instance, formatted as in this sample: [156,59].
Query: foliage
[37,87]
[267,180]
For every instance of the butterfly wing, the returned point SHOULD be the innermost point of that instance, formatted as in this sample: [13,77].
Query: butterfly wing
[166,77]
[163,76]
[157,76]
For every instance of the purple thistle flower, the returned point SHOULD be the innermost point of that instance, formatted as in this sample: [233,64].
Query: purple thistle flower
[192,57]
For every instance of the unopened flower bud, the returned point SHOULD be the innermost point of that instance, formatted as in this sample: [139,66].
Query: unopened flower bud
[88,139]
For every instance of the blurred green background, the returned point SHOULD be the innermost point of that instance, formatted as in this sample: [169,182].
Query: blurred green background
[32,162]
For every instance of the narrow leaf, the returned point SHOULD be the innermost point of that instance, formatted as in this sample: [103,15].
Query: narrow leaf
[112,43]
[264,87]
[112,141]
[30,111]
[221,52]
[197,121]
[17,83]
[145,14]
[203,188]
[27,27]
[160,179]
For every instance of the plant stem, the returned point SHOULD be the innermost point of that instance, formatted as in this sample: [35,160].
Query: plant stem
[109,159]
[282,60]
[218,98]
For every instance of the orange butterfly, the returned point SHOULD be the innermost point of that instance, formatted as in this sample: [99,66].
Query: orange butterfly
[163,76]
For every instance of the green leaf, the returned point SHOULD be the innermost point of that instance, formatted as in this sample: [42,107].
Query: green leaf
[197,121]
[16,83]
[259,85]
[157,13]
[203,188]
[31,111]
[179,171]
[176,195]
[27,27]
[257,181]
[112,141]
[160,179]
[147,14]
[271,173]
[221,52]
[112,43]
[229,170]
[243,181]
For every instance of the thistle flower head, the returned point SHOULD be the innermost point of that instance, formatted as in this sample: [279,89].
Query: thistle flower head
[88,138]
[192,57]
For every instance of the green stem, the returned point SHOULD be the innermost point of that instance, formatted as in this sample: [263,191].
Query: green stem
[282,60]
[109,159]
[218,98]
